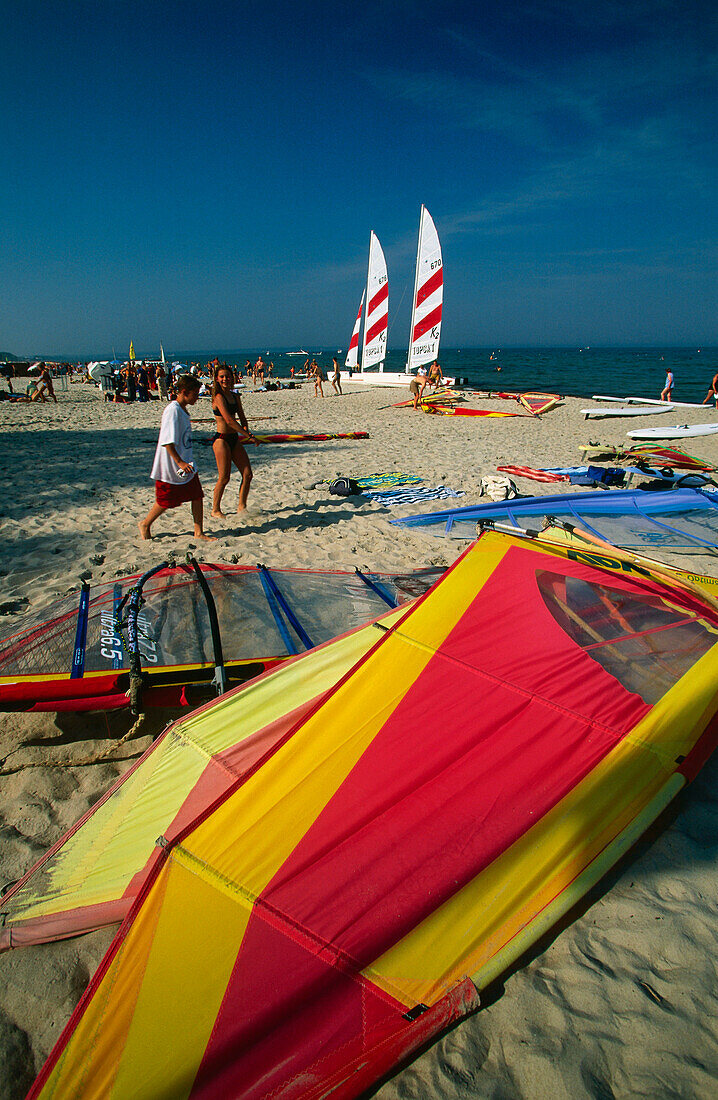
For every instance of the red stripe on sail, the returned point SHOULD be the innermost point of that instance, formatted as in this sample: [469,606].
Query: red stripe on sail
[381,296]
[432,283]
[374,331]
[354,341]
[431,319]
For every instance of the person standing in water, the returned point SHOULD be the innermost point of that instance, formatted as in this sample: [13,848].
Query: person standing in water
[176,480]
[231,430]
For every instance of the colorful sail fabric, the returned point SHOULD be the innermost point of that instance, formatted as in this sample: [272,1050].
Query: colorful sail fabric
[174,632]
[428,295]
[407,838]
[537,403]
[91,877]
[460,410]
[650,453]
[648,521]
[353,350]
[376,322]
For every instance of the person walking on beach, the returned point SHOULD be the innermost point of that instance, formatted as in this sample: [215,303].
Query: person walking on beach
[231,430]
[44,386]
[337,378]
[668,388]
[319,378]
[176,480]
[713,391]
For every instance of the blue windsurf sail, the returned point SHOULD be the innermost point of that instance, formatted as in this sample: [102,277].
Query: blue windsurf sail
[674,519]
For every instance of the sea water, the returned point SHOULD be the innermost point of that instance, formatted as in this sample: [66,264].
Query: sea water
[578,372]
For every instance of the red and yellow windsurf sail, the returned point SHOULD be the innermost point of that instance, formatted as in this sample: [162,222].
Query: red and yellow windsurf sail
[479,767]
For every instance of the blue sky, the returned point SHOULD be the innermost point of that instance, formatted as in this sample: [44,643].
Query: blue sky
[207,174]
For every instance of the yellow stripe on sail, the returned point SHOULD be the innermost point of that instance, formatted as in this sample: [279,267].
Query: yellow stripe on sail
[236,852]
[473,932]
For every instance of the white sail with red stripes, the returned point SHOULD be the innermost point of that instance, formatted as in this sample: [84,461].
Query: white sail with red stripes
[428,296]
[376,321]
[353,350]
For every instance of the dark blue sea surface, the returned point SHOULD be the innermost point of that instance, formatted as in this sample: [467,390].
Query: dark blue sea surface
[579,372]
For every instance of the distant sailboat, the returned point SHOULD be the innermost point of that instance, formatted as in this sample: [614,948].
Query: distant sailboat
[428,300]
[426,312]
[376,321]
[352,358]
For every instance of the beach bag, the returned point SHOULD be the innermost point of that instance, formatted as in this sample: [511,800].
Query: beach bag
[498,488]
[344,487]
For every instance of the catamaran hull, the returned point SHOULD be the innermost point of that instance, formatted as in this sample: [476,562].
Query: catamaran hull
[388,378]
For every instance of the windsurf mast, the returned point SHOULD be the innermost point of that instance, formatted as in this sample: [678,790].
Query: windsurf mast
[220,675]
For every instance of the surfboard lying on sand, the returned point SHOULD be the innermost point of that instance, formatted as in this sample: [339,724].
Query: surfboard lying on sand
[625,410]
[679,431]
[649,401]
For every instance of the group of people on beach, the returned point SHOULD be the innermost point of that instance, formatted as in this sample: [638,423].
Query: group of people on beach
[314,370]
[173,470]
[137,381]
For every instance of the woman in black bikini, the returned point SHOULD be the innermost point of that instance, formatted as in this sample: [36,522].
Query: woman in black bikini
[231,430]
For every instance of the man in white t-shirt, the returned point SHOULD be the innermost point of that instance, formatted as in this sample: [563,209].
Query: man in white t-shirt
[176,480]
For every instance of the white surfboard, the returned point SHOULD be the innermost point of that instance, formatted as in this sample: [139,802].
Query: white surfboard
[651,401]
[626,410]
[680,431]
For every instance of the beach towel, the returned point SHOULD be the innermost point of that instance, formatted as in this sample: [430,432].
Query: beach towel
[534,475]
[386,481]
[380,481]
[392,497]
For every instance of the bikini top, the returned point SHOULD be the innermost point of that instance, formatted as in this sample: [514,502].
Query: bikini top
[231,405]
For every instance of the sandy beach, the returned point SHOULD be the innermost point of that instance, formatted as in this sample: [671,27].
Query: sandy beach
[622,1000]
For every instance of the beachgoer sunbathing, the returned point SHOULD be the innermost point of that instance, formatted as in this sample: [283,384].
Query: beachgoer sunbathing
[231,432]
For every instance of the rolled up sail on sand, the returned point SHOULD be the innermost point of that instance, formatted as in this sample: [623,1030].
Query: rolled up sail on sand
[431,815]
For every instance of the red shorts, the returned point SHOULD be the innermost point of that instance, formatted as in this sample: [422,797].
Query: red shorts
[170,496]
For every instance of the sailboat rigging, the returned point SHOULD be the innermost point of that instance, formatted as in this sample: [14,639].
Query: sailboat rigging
[428,300]
[426,312]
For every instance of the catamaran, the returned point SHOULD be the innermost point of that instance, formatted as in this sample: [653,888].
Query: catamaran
[426,312]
